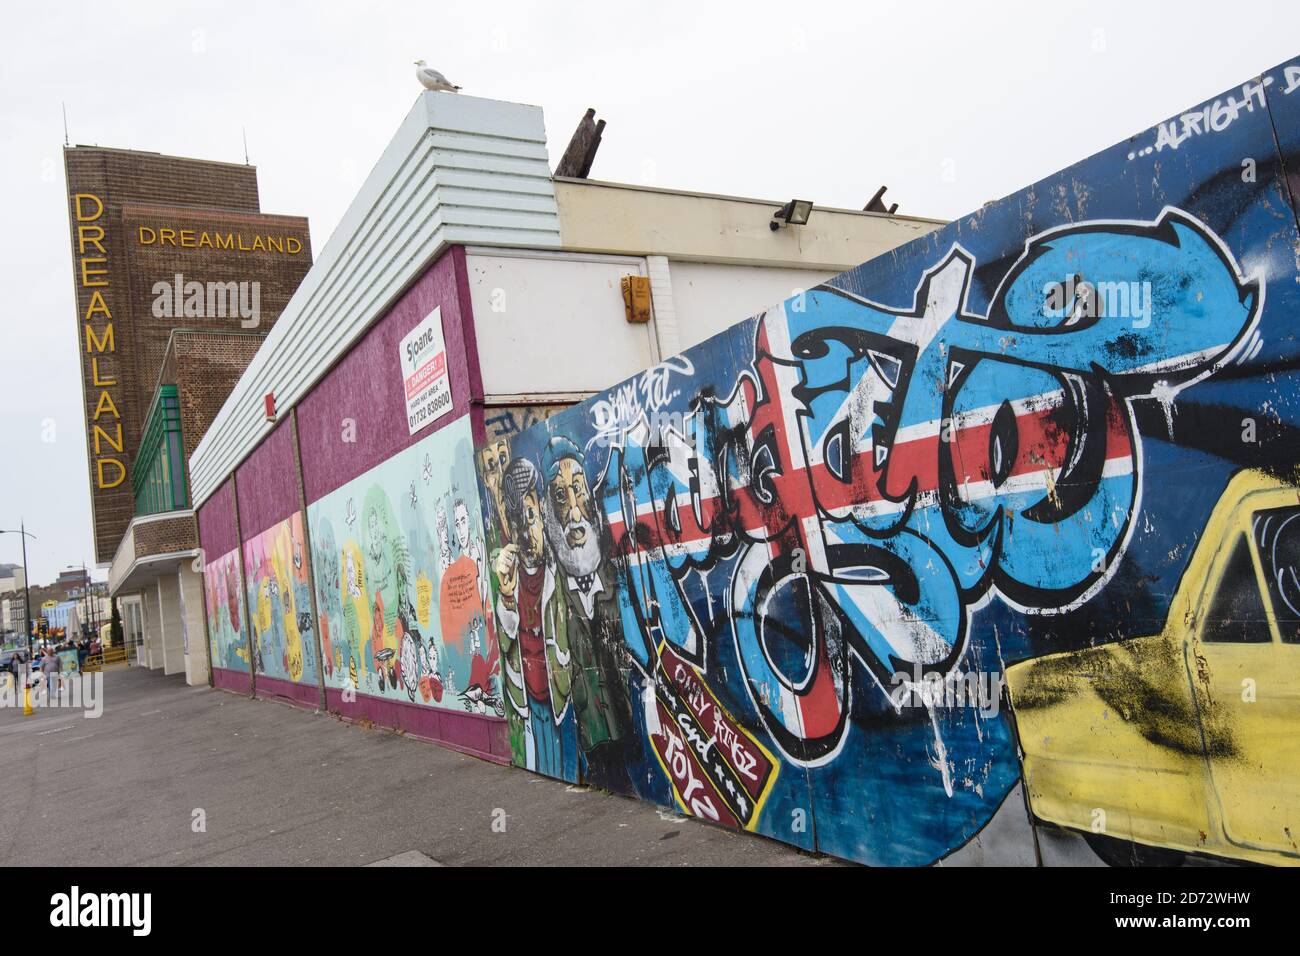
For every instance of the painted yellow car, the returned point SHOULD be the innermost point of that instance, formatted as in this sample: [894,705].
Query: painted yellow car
[1186,741]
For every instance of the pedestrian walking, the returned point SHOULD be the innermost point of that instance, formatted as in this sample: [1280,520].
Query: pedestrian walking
[50,666]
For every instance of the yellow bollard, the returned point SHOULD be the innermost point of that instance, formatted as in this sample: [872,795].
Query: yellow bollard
[27,701]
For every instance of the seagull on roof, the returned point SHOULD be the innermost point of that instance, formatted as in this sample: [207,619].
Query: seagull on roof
[431,79]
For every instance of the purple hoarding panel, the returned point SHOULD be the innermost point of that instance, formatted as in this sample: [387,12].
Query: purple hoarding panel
[355,417]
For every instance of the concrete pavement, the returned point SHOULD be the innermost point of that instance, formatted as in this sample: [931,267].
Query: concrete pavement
[276,785]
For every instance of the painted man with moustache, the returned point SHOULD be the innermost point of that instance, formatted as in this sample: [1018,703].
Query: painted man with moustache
[530,612]
[593,623]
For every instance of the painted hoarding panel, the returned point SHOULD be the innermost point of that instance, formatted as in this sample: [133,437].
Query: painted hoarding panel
[583,700]
[781,576]
[279,603]
[398,556]
[221,589]
[228,640]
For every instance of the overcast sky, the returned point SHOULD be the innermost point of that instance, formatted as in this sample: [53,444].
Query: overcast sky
[949,104]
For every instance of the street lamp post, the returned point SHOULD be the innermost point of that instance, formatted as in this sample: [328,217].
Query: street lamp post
[85,599]
[27,583]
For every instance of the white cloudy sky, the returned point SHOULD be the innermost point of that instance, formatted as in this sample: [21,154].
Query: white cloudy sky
[820,100]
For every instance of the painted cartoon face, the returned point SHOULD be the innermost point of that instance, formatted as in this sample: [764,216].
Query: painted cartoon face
[570,520]
[444,542]
[353,579]
[462,525]
[378,566]
[376,536]
[494,459]
[571,502]
[528,535]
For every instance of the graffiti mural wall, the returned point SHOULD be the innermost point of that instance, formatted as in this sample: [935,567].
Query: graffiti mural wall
[509,420]
[780,581]
[401,581]
[995,536]
[279,603]
[227,639]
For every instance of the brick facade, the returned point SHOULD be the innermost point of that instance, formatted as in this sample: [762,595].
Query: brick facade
[204,367]
[112,196]
[165,536]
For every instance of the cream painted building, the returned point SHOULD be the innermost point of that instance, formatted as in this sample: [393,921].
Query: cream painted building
[711,261]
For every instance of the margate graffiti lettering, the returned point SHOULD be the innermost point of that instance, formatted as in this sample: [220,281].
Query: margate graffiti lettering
[867,509]
[753,567]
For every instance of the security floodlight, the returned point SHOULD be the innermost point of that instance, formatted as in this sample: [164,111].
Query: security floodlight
[793,213]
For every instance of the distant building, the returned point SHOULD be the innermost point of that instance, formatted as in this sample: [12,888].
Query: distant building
[72,579]
[94,587]
[12,615]
[58,615]
[11,578]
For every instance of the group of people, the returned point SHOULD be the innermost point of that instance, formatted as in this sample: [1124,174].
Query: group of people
[46,660]
[558,618]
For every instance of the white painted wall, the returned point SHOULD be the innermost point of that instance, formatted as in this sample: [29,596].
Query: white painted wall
[152,656]
[708,298]
[555,322]
[173,639]
[551,323]
[627,219]
[194,634]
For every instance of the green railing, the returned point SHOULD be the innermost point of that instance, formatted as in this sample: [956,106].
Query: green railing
[158,476]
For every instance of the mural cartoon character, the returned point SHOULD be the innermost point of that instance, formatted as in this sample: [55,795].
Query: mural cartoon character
[229,646]
[410,660]
[387,571]
[356,622]
[431,687]
[293,650]
[574,534]
[532,627]
[328,576]
[493,460]
[279,602]
[461,594]
[418,661]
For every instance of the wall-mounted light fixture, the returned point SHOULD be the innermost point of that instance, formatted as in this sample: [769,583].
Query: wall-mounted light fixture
[793,213]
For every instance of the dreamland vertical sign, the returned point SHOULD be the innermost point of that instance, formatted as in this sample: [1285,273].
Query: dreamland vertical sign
[100,298]
[105,422]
